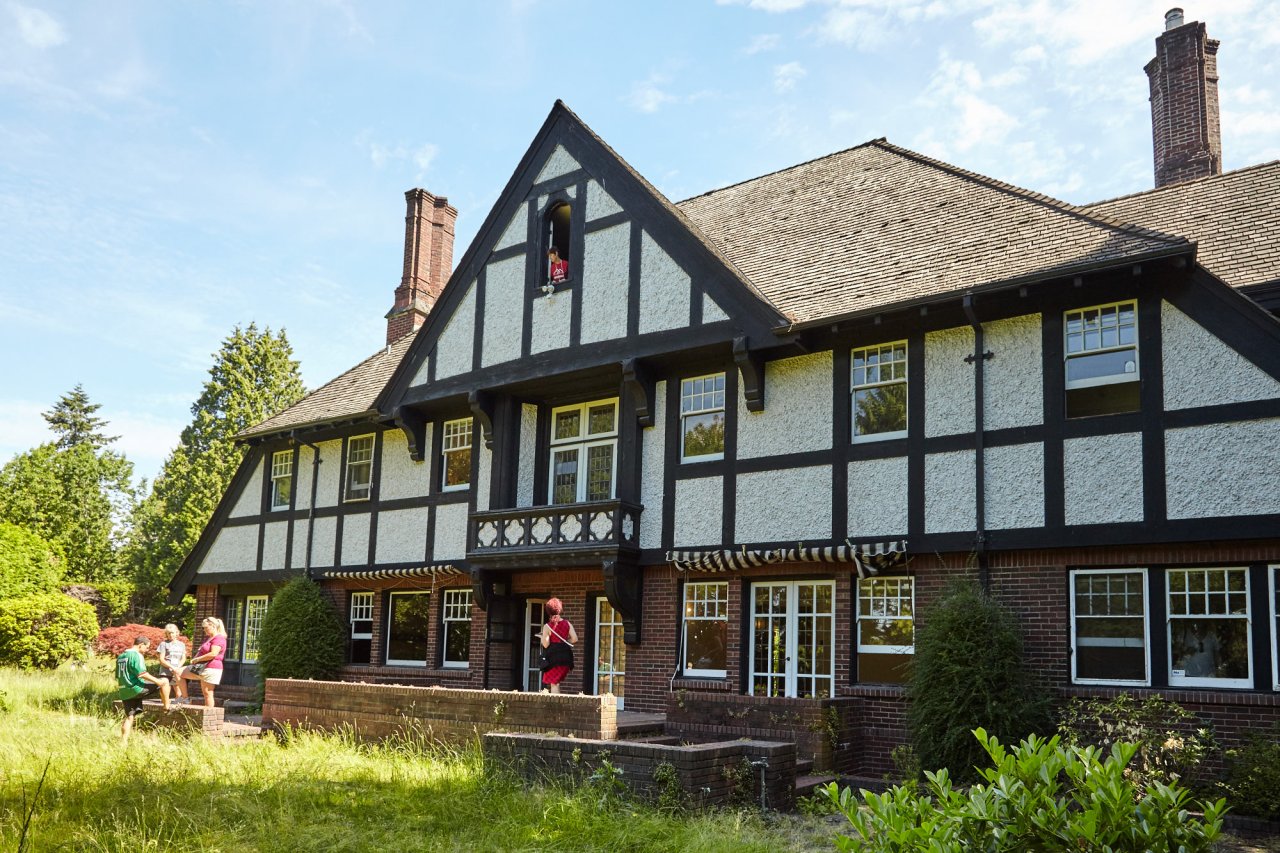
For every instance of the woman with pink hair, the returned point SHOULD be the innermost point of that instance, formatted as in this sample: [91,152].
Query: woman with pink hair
[558,638]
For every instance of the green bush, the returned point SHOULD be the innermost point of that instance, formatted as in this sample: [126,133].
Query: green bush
[1253,775]
[182,614]
[968,673]
[1040,796]
[1172,742]
[302,636]
[28,563]
[117,597]
[42,631]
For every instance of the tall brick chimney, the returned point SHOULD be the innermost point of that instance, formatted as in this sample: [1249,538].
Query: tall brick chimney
[1184,102]
[428,260]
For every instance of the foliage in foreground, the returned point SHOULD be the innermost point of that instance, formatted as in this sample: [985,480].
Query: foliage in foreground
[1041,796]
[1253,775]
[42,631]
[28,563]
[302,636]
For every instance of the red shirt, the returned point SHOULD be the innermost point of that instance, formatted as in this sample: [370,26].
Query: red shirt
[559,271]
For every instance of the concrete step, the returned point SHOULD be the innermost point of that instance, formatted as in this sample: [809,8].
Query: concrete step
[660,740]
[240,730]
[805,785]
[803,766]
[237,706]
[633,724]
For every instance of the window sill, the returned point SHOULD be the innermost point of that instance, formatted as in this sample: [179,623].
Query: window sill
[879,436]
[874,691]
[362,500]
[702,684]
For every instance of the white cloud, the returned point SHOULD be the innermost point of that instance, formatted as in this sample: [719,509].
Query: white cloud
[786,76]
[854,27]
[766,5]
[382,155]
[37,28]
[961,114]
[762,44]
[648,96]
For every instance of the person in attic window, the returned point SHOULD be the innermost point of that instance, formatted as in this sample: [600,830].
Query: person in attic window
[559,268]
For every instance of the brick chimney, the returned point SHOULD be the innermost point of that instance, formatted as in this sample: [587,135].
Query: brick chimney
[428,260]
[1184,102]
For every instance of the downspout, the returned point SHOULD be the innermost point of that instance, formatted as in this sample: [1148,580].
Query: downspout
[311,505]
[977,359]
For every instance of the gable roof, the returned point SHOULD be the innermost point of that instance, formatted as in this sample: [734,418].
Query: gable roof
[877,224]
[1234,218]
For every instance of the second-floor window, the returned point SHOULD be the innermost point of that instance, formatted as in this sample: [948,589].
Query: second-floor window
[880,391]
[1102,359]
[456,449]
[359,468]
[702,418]
[281,479]
[584,449]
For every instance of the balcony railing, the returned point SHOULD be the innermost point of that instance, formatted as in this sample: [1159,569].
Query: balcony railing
[531,535]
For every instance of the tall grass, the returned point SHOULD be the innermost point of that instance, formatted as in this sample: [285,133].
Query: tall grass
[306,792]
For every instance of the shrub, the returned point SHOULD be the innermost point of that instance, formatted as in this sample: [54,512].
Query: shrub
[1172,742]
[301,634]
[113,641]
[28,564]
[182,614]
[117,598]
[1253,775]
[1040,796]
[968,673]
[42,631]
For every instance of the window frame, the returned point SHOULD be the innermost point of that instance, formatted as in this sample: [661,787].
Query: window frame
[1142,572]
[583,442]
[446,436]
[256,625]
[791,649]
[277,477]
[861,648]
[354,608]
[1115,378]
[548,240]
[391,610]
[1245,683]
[446,620]
[1273,588]
[722,602]
[854,388]
[234,623]
[686,414]
[367,464]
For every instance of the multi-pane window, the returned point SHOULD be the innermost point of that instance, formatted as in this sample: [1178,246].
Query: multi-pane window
[706,629]
[456,449]
[235,628]
[457,627]
[611,652]
[584,449]
[793,639]
[1102,359]
[361,618]
[880,391]
[281,479]
[1109,626]
[359,467]
[1209,627]
[702,418]
[255,609]
[1273,574]
[408,626]
[886,628]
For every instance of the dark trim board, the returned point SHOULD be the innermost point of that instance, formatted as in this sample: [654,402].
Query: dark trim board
[271,576]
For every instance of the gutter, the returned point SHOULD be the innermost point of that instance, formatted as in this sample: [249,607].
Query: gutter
[978,359]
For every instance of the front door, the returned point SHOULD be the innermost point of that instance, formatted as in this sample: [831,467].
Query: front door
[534,618]
[611,652]
[793,637]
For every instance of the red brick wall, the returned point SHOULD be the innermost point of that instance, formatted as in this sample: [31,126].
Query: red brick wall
[1183,77]
[207,604]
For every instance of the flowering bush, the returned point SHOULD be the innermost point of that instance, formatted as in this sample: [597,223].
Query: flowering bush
[113,641]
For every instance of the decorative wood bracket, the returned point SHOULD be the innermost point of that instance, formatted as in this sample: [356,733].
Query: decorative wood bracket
[622,586]
[751,367]
[414,426]
[637,381]
[481,587]
[482,405]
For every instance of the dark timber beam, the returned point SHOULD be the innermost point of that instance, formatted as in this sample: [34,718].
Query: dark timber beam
[482,406]
[751,367]
[639,384]
[622,586]
[414,427]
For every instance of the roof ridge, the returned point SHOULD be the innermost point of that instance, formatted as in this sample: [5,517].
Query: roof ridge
[783,169]
[1202,180]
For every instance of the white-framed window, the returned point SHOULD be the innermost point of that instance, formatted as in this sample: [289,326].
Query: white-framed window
[456,641]
[281,479]
[584,451]
[879,391]
[1273,575]
[255,609]
[408,628]
[235,628]
[1101,352]
[611,652]
[456,450]
[1208,631]
[1110,633]
[361,618]
[793,639]
[706,629]
[359,468]
[702,418]
[886,628]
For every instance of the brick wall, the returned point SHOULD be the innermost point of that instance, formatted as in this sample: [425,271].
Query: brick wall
[1186,136]
[207,604]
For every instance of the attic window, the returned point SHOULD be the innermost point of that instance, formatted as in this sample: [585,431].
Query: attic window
[556,246]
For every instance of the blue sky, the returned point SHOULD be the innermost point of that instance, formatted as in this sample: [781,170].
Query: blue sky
[168,170]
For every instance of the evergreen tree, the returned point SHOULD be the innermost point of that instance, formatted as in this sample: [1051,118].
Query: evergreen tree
[254,376]
[74,420]
[29,564]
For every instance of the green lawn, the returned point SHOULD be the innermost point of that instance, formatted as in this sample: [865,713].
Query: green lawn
[314,793]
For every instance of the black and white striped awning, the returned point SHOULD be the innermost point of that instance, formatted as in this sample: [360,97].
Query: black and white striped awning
[868,560]
[438,570]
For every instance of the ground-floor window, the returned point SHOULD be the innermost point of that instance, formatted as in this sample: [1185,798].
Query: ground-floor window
[360,650]
[408,627]
[255,610]
[886,628]
[793,639]
[706,629]
[1208,626]
[1273,573]
[456,639]
[534,618]
[234,623]
[1109,631]
[611,652]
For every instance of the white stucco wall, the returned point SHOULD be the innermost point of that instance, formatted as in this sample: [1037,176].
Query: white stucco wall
[401,476]
[355,540]
[797,408]
[948,382]
[402,536]
[274,537]
[323,541]
[330,471]
[551,316]
[878,497]
[605,283]
[1223,469]
[451,532]
[1014,486]
[484,465]
[949,492]
[235,549]
[711,310]
[504,297]
[302,478]
[517,230]
[249,501]
[454,346]
[528,454]
[1102,479]
[1201,370]
[560,162]
[544,200]
[652,448]
[664,289]
[699,512]
[421,376]
[599,202]
[788,505]
[299,557]
[1013,379]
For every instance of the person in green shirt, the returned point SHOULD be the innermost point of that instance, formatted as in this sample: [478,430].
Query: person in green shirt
[136,684]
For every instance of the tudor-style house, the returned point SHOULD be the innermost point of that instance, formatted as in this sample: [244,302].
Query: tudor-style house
[750,435]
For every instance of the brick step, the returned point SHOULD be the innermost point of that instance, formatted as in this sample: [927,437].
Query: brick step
[803,766]
[237,706]
[640,725]
[805,785]
[240,730]
[660,740]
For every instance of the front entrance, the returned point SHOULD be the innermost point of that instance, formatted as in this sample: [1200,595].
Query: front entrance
[534,618]
[611,652]
[792,639]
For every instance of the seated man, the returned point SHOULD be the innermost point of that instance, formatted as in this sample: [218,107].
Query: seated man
[136,684]
[559,270]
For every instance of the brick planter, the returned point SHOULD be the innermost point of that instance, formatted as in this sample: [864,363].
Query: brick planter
[185,719]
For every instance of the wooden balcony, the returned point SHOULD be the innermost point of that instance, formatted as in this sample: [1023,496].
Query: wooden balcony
[562,535]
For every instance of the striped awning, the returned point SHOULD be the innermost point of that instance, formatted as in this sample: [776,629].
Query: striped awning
[438,570]
[870,559]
